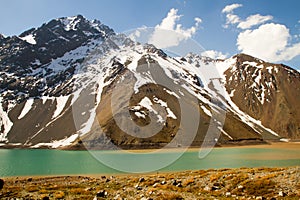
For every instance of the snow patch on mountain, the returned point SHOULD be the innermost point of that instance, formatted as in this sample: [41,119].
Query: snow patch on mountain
[223,66]
[165,105]
[27,107]
[140,114]
[253,123]
[60,105]
[171,93]
[29,38]
[70,23]
[146,103]
[46,98]
[5,122]
[36,62]
[205,110]
[58,143]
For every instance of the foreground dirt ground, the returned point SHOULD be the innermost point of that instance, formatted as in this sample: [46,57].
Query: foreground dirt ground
[243,183]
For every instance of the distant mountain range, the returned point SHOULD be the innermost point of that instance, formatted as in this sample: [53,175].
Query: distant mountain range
[57,83]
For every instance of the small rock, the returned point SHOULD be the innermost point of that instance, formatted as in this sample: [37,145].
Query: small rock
[103,177]
[101,193]
[218,184]
[1,183]
[163,182]
[260,198]
[174,182]
[29,179]
[142,179]
[207,188]
[240,187]
[155,184]
[88,189]
[150,192]
[117,197]
[282,194]
[213,188]
[179,185]
[228,194]
[138,187]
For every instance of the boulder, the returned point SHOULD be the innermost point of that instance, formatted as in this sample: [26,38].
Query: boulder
[1,183]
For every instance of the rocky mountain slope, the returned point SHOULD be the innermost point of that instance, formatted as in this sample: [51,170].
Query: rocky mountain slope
[75,82]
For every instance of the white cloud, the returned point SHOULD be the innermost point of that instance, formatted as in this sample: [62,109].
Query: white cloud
[253,20]
[230,8]
[290,52]
[269,42]
[170,33]
[231,19]
[214,54]
[170,21]
[198,21]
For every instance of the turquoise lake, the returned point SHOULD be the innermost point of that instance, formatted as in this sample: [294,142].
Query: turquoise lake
[30,162]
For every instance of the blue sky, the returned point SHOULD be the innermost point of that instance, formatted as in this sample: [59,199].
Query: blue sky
[268,28]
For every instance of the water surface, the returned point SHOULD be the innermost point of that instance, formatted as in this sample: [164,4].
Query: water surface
[30,162]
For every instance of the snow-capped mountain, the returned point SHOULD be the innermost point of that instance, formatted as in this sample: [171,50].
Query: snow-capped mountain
[75,82]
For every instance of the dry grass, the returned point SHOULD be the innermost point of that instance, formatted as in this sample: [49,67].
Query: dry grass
[188,181]
[259,187]
[216,176]
[238,179]
[170,196]
[244,183]
[32,188]
[59,195]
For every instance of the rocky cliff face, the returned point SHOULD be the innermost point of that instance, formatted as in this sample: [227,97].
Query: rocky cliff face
[267,92]
[27,60]
[74,81]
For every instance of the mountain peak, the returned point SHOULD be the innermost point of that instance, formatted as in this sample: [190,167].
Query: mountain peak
[67,28]
[50,41]
[242,57]
[79,22]
[70,23]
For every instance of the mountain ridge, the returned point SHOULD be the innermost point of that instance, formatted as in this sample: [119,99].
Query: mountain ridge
[39,93]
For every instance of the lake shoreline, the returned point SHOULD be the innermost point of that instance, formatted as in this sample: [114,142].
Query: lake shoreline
[139,148]
[267,145]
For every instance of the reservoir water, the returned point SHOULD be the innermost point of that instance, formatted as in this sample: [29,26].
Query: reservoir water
[30,162]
